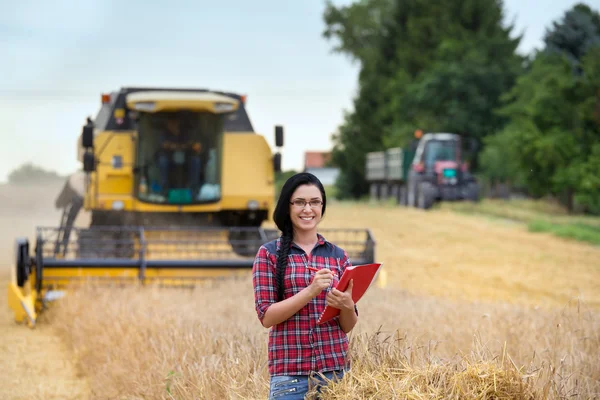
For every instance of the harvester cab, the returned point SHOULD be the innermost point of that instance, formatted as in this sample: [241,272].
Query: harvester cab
[439,173]
[177,186]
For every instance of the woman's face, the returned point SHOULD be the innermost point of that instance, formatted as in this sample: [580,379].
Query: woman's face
[306,217]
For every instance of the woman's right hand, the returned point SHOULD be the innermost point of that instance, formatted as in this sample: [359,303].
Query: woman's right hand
[321,280]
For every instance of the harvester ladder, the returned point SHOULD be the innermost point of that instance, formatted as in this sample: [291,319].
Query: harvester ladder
[67,220]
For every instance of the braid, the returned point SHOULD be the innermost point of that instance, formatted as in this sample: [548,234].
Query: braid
[282,258]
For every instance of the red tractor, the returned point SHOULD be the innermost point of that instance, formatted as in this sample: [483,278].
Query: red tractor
[438,172]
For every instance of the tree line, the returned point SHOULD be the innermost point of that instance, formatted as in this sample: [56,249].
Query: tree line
[29,173]
[533,120]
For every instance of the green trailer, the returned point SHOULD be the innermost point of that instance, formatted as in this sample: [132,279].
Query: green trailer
[387,172]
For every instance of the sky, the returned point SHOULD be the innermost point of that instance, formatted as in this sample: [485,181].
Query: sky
[59,57]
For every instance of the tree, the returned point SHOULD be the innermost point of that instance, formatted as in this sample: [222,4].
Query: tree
[359,27]
[431,66]
[281,177]
[500,163]
[574,35]
[554,113]
[29,173]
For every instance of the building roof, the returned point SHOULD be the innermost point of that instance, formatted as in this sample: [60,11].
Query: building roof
[316,159]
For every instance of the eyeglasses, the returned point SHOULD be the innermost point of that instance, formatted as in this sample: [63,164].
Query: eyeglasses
[302,203]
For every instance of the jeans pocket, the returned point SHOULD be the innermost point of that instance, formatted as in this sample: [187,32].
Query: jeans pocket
[287,386]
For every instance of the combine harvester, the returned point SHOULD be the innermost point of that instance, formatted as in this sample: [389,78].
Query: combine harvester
[431,170]
[177,185]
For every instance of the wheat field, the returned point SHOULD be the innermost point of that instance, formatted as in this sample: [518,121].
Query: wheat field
[472,308]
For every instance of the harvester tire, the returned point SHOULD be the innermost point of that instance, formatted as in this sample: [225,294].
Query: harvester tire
[245,243]
[22,261]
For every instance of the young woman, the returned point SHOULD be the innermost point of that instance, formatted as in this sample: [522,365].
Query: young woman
[290,295]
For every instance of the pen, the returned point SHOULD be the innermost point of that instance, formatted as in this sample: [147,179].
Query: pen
[313,269]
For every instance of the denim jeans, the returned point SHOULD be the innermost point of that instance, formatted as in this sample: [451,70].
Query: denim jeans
[296,386]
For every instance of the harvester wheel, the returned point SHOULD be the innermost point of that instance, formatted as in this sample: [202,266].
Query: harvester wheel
[23,262]
[245,242]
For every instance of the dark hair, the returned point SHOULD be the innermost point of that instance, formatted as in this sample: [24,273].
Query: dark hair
[281,217]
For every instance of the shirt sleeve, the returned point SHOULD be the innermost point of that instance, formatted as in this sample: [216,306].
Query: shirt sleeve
[345,263]
[263,280]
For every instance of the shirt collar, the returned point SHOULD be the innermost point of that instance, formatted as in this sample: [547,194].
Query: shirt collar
[320,241]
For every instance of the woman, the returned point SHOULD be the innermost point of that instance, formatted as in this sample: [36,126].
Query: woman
[289,297]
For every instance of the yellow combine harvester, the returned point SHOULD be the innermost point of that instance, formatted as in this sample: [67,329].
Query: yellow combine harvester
[178,186]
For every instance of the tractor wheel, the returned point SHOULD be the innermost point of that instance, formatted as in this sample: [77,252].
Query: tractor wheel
[403,195]
[472,192]
[425,195]
[411,194]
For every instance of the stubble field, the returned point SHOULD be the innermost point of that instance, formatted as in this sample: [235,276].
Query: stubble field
[472,308]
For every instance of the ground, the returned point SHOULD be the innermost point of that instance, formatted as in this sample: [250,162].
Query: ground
[441,253]
[35,363]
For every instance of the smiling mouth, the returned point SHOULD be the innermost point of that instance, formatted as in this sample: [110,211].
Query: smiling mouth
[307,218]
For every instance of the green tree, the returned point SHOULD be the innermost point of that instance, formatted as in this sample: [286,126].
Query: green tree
[499,161]
[573,36]
[281,177]
[431,66]
[358,28]
[555,115]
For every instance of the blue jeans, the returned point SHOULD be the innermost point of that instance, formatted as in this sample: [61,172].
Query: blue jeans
[295,387]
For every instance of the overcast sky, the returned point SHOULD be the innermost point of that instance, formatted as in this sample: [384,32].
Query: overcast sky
[58,57]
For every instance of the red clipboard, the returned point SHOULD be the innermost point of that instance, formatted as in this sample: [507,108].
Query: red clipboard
[363,275]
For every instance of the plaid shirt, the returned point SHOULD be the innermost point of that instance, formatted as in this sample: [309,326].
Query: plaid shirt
[298,345]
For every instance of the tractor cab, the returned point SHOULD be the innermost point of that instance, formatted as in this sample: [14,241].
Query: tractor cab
[179,145]
[440,155]
[438,149]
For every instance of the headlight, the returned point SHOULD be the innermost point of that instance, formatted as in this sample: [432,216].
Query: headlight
[253,205]
[118,205]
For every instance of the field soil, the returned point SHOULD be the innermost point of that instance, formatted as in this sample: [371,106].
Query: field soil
[35,363]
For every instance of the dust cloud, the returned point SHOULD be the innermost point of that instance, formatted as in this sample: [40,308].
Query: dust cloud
[22,209]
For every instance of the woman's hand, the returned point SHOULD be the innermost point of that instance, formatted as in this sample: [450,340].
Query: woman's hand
[321,280]
[341,300]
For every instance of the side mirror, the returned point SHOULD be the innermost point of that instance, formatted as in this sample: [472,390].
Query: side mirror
[87,135]
[277,162]
[278,135]
[89,162]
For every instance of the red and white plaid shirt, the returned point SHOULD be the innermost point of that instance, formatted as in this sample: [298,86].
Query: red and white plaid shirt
[298,346]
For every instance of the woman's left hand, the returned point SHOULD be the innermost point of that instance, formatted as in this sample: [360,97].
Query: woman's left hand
[341,300]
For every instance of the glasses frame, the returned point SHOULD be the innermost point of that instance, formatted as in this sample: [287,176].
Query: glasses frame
[304,203]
